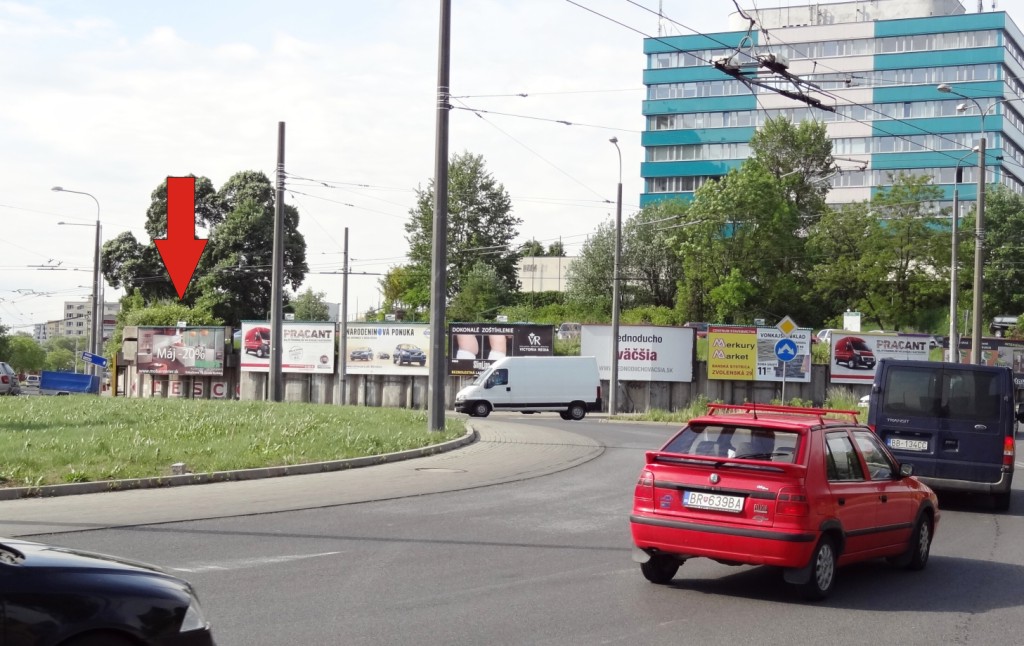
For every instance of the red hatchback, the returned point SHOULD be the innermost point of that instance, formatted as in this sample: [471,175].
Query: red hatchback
[782,486]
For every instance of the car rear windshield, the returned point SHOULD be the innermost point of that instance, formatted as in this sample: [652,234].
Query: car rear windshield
[728,441]
[952,394]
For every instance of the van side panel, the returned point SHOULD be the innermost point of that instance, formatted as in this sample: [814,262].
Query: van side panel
[540,384]
[949,420]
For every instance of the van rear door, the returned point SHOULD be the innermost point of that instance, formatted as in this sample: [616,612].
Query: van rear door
[949,423]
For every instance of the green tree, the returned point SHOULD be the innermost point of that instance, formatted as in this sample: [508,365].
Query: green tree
[1004,254]
[25,354]
[531,248]
[556,249]
[481,228]
[483,292]
[4,340]
[800,156]
[310,306]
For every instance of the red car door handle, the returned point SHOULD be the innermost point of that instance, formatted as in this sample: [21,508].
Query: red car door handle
[884,498]
[842,501]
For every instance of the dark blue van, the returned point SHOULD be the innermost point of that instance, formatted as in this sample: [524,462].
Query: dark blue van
[954,422]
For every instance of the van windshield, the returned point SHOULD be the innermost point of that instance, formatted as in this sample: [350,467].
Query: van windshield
[960,395]
[482,377]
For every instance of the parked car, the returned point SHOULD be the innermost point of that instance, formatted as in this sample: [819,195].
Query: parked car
[361,354]
[32,381]
[8,380]
[406,353]
[853,352]
[568,331]
[55,595]
[780,486]
[384,356]
[257,341]
[1001,325]
[701,328]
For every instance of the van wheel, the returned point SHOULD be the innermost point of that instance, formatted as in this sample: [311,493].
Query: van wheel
[1001,501]
[823,571]
[660,569]
[259,353]
[564,414]
[577,411]
[481,409]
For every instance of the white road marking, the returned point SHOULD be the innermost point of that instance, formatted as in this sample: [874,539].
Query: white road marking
[241,564]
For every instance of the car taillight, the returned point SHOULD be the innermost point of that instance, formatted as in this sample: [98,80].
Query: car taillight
[4,379]
[1008,451]
[645,486]
[792,501]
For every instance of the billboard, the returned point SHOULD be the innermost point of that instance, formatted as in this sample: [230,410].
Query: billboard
[180,351]
[646,352]
[854,356]
[472,347]
[387,348]
[747,353]
[996,352]
[308,347]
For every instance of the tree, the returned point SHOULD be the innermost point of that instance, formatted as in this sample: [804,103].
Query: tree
[25,354]
[531,248]
[310,306]
[800,156]
[4,340]
[1004,254]
[482,294]
[233,279]
[556,249]
[481,228]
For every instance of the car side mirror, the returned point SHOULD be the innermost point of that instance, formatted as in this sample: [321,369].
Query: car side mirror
[906,470]
[1020,412]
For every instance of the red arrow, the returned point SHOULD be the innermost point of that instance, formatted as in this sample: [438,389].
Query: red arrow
[181,250]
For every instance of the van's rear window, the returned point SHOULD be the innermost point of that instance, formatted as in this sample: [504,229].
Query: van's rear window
[952,394]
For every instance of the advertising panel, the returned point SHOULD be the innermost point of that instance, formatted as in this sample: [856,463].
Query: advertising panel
[472,347]
[854,356]
[646,352]
[387,348]
[748,353]
[996,352]
[308,347]
[181,351]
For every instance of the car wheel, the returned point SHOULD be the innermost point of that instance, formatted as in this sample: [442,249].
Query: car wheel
[564,414]
[481,409]
[104,639]
[823,571]
[577,411]
[660,569]
[1001,501]
[920,544]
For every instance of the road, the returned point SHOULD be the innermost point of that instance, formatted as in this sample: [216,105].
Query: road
[538,556]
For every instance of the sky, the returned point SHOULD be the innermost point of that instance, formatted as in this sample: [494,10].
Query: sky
[110,97]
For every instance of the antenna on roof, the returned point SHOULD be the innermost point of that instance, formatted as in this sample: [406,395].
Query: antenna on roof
[661,21]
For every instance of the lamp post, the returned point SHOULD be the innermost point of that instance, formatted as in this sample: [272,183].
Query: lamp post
[613,382]
[96,339]
[954,286]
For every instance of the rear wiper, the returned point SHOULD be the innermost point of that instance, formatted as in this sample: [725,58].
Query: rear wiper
[760,456]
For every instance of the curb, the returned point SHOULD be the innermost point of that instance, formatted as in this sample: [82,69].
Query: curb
[47,491]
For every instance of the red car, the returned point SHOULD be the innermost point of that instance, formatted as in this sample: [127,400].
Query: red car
[796,488]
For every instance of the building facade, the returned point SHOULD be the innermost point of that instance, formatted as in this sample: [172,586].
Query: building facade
[878,63]
[77,321]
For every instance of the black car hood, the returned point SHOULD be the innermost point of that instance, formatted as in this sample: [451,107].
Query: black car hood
[36,555]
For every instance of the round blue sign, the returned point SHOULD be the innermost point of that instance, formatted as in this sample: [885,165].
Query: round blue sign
[785,350]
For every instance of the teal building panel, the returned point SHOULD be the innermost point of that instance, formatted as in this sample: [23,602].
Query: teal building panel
[922,159]
[702,104]
[948,58]
[684,75]
[930,92]
[696,136]
[935,125]
[688,168]
[647,199]
[940,24]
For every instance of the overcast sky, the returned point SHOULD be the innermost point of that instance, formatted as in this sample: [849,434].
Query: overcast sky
[110,97]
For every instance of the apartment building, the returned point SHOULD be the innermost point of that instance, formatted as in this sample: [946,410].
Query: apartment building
[878,63]
[77,320]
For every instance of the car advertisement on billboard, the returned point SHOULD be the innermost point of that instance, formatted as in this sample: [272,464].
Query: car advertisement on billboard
[181,351]
[387,348]
[646,352]
[472,347]
[307,347]
[749,353]
[853,356]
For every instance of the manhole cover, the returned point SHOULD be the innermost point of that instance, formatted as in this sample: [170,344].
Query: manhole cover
[440,470]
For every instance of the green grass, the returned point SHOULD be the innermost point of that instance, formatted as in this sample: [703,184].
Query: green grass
[54,440]
[837,398]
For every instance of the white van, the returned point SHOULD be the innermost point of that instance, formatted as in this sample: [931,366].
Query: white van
[569,386]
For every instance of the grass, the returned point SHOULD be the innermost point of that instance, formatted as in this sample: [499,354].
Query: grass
[837,398]
[55,440]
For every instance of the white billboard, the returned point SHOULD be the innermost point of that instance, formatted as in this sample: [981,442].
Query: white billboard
[307,347]
[646,352]
[387,348]
[855,355]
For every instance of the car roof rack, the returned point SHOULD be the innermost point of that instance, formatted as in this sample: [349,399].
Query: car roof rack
[820,413]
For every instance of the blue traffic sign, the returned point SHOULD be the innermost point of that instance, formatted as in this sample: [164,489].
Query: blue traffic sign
[785,350]
[95,359]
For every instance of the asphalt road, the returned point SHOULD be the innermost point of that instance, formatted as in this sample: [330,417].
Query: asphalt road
[524,540]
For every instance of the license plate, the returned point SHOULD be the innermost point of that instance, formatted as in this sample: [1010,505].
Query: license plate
[908,445]
[719,502]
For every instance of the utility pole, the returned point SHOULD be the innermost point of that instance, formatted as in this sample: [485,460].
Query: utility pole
[277,278]
[439,252]
[343,314]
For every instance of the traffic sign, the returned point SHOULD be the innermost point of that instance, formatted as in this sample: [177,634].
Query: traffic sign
[96,360]
[785,350]
[787,325]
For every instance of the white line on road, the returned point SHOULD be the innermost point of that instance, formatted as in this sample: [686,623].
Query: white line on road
[241,564]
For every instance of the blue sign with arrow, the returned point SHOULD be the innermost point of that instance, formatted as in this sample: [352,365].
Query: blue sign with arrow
[785,350]
[97,360]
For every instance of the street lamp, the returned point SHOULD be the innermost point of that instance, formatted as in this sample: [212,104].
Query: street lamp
[95,341]
[613,382]
[954,341]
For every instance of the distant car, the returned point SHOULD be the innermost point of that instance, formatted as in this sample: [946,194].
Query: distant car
[55,595]
[701,328]
[568,331]
[864,402]
[257,341]
[1001,325]
[8,380]
[779,486]
[361,354]
[824,336]
[32,381]
[383,355]
[408,354]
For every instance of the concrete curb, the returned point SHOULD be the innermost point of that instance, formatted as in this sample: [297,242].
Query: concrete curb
[73,489]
